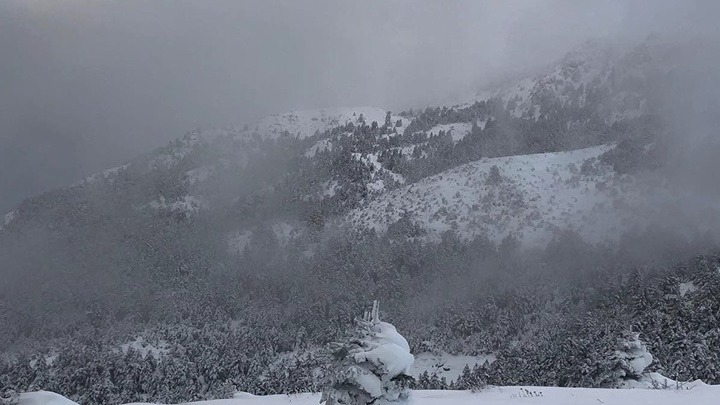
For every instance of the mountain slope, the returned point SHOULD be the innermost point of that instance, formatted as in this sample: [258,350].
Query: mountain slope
[528,196]
[308,122]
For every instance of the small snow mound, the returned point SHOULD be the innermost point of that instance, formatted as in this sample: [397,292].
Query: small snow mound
[659,381]
[44,398]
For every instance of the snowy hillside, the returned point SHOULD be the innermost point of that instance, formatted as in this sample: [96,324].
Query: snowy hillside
[696,394]
[308,122]
[592,73]
[527,196]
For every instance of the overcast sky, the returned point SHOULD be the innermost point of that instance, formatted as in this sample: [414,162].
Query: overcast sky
[86,85]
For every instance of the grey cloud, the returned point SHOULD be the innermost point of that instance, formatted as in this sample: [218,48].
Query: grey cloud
[86,85]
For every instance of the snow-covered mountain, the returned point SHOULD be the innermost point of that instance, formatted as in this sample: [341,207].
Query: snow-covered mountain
[611,82]
[367,167]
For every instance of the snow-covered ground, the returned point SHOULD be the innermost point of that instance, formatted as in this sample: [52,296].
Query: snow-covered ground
[695,394]
[44,398]
[457,130]
[529,196]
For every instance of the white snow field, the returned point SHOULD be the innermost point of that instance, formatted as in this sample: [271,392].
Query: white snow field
[532,197]
[694,393]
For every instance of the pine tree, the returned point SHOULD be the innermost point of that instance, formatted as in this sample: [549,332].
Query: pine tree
[370,366]
[631,358]
[388,120]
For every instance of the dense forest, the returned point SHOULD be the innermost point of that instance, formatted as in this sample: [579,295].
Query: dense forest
[262,327]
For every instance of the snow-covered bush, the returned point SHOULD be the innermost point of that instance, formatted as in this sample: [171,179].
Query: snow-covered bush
[371,366]
[631,358]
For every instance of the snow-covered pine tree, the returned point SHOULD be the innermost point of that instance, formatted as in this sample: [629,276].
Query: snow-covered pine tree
[370,366]
[471,379]
[631,358]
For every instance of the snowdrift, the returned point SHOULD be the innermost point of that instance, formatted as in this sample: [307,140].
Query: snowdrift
[694,393]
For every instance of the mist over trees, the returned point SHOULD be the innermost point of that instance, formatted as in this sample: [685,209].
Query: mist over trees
[224,262]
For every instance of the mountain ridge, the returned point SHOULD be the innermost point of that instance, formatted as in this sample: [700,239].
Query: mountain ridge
[391,157]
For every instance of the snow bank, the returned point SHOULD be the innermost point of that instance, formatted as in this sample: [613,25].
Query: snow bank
[695,393]
[44,398]
[659,381]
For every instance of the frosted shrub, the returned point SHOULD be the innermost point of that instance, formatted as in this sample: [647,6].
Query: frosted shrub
[370,366]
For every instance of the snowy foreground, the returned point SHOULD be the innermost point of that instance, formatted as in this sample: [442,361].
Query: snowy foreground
[695,394]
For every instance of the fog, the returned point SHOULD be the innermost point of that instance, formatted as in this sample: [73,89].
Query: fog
[228,261]
[88,85]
